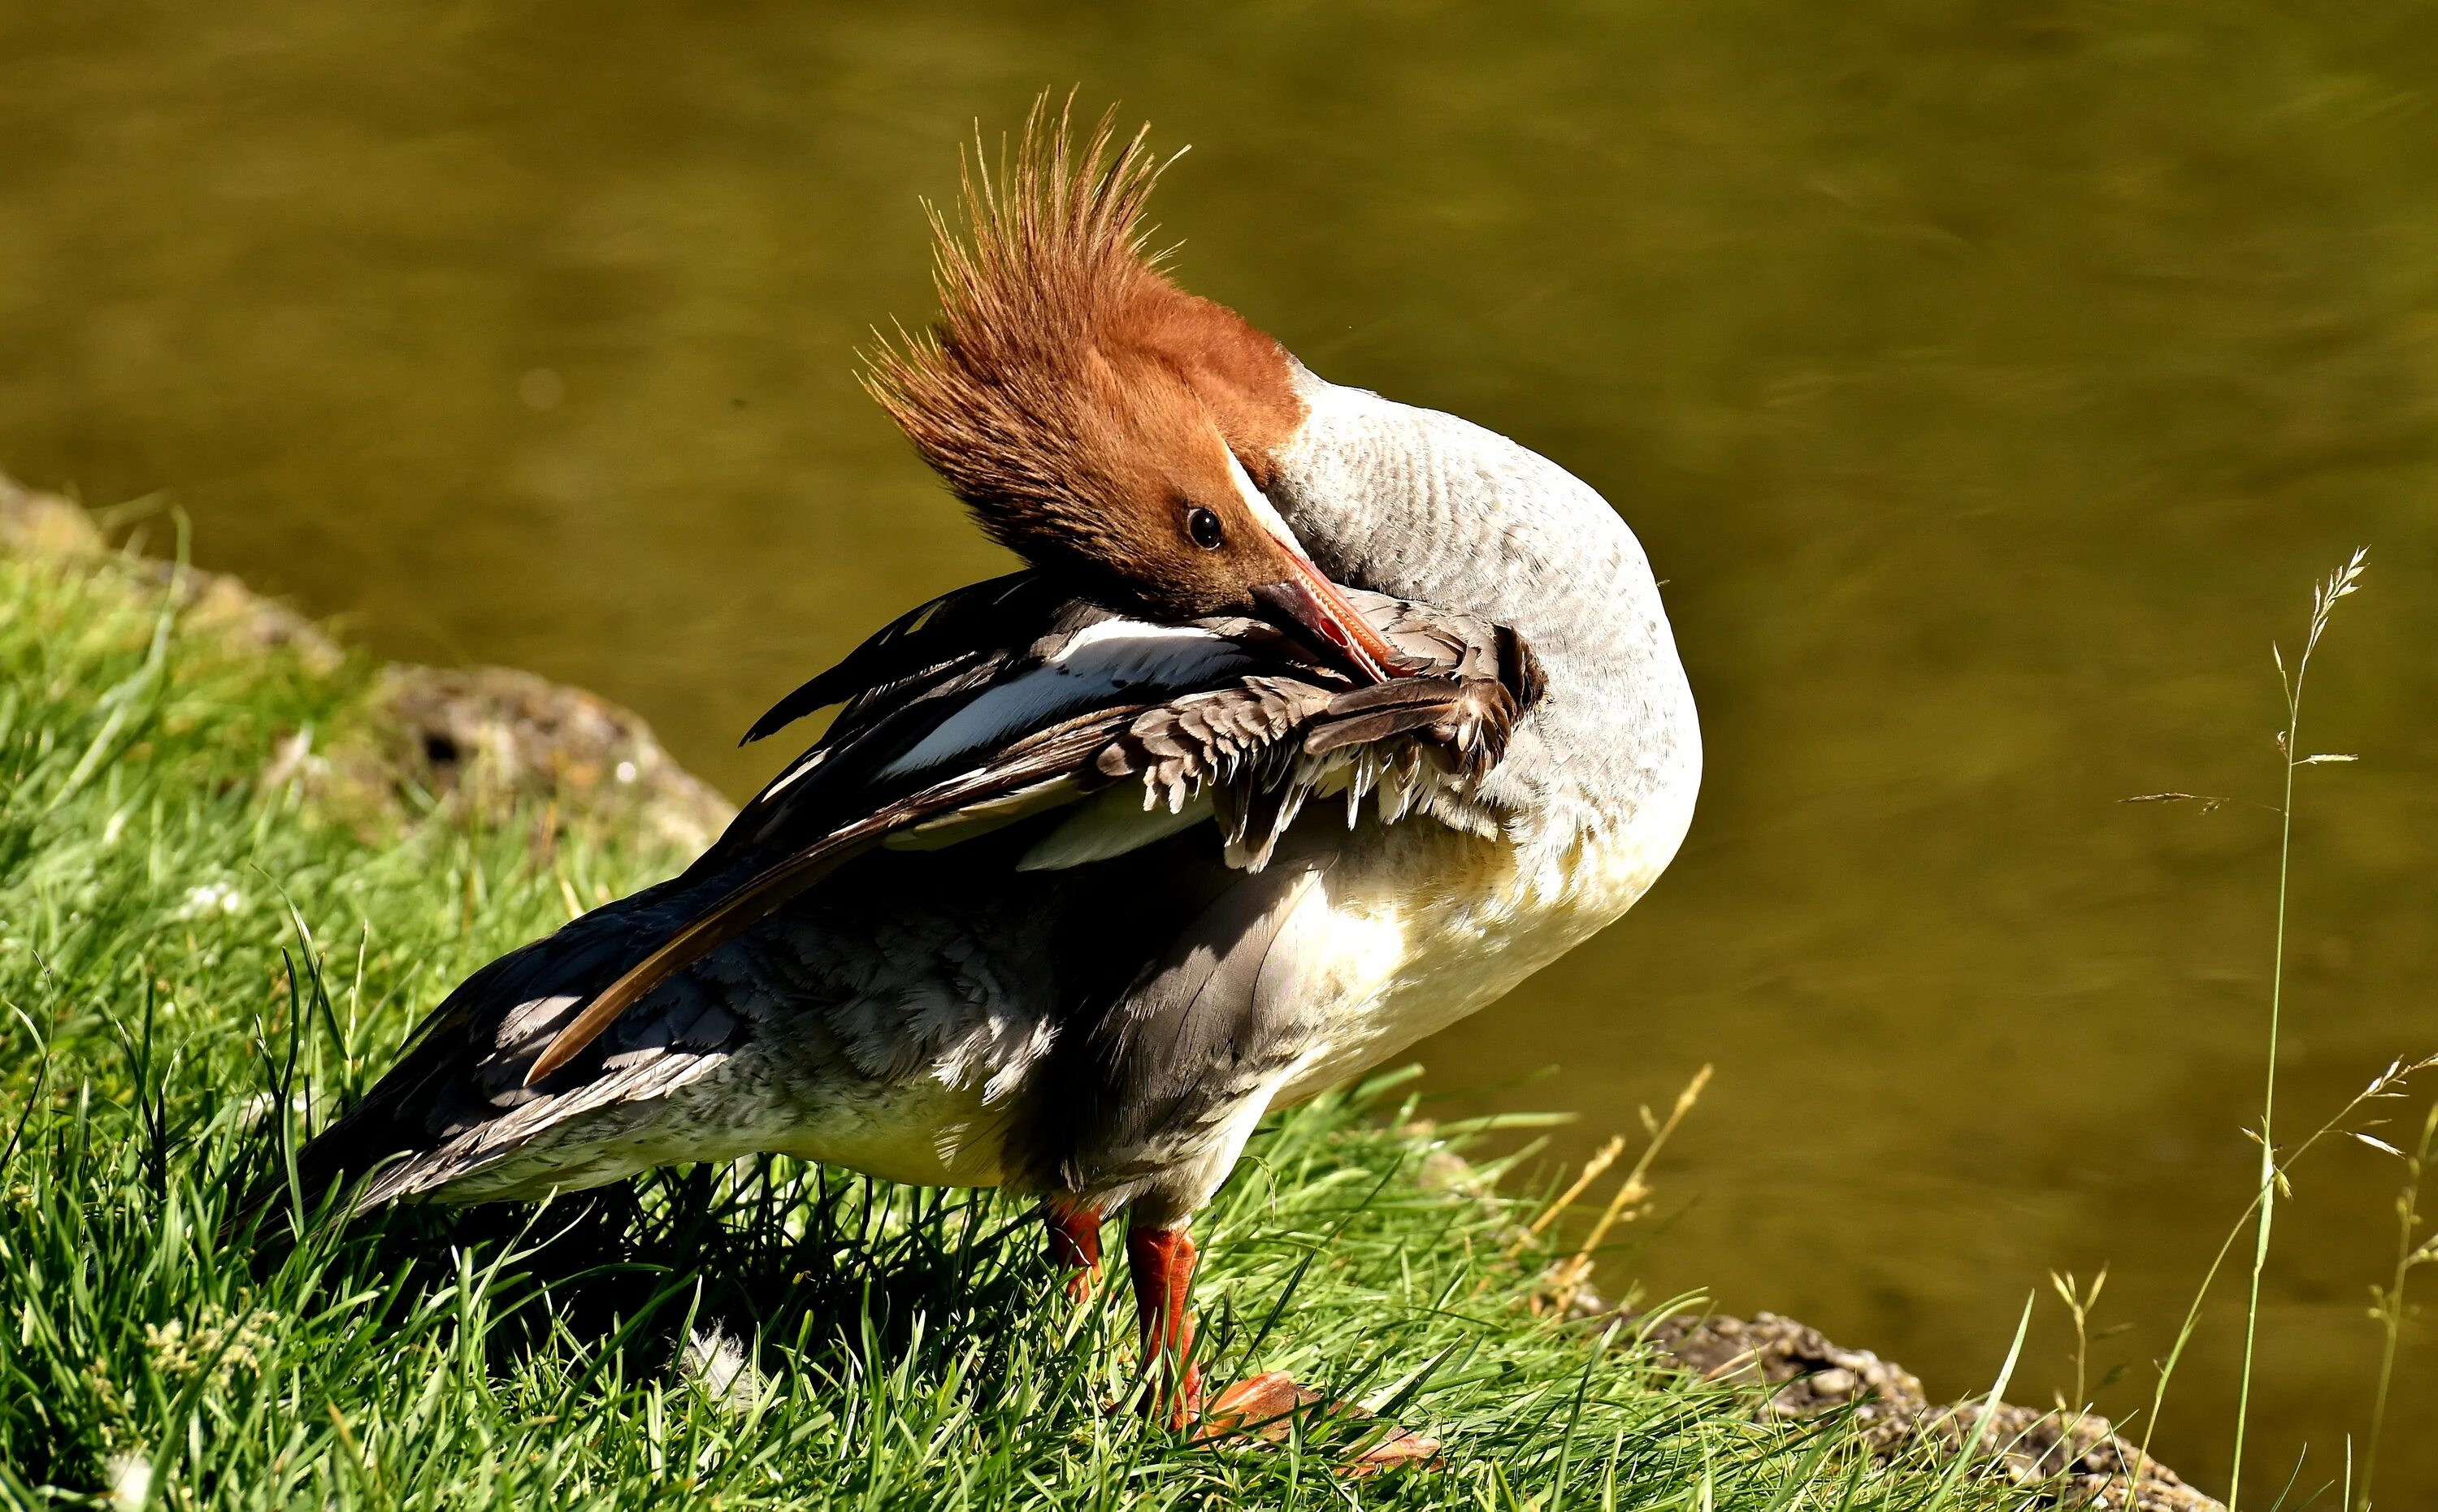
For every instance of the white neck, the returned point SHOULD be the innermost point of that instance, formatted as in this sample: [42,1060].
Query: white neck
[1423,505]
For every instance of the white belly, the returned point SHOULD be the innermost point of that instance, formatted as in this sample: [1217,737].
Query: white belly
[1425,926]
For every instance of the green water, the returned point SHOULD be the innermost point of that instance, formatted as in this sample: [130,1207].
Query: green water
[1988,382]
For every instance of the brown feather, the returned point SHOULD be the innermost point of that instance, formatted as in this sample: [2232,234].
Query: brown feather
[1372,727]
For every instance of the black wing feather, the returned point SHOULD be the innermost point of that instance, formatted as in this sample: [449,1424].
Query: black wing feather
[927,640]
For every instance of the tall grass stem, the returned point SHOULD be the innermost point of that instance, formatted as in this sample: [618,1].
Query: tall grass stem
[2323,600]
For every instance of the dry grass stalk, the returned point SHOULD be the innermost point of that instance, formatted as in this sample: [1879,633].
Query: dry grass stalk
[1565,1281]
[1601,1159]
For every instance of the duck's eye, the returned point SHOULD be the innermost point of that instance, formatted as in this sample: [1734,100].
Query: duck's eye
[1204,527]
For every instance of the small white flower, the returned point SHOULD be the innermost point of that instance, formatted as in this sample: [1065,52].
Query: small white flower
[263,1102]
[626,771]
[211,898]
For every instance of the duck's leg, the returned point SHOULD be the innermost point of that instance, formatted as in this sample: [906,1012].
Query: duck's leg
[1075,1246]
[1162,1261]
[1260,1407]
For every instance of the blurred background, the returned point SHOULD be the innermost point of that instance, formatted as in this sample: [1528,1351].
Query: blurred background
[1989,382]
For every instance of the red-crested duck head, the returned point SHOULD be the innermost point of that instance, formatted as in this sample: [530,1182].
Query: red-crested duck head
[1098,420]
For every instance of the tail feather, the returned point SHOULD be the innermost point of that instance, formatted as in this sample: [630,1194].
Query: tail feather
[456,1099]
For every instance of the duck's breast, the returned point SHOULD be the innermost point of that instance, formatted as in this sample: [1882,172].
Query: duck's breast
[1416,926]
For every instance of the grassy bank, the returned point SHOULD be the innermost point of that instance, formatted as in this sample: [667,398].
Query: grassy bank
[201,945]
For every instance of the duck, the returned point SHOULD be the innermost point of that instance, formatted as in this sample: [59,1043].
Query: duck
[1312,723]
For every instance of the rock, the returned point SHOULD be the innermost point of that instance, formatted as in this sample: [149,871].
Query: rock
[37,524]
[486,740]
[482,743]
[42,525]
[2075,1460]
[220,604]
[2060,1459]
[1813,1376]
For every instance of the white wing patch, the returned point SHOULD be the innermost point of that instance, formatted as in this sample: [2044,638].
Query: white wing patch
[1097,663]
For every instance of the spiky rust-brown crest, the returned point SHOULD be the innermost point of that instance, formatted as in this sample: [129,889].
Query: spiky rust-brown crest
[1079,403]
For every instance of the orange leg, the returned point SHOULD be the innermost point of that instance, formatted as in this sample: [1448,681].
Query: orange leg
[1163,1263]
[1260,1409]
[1075,1247]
